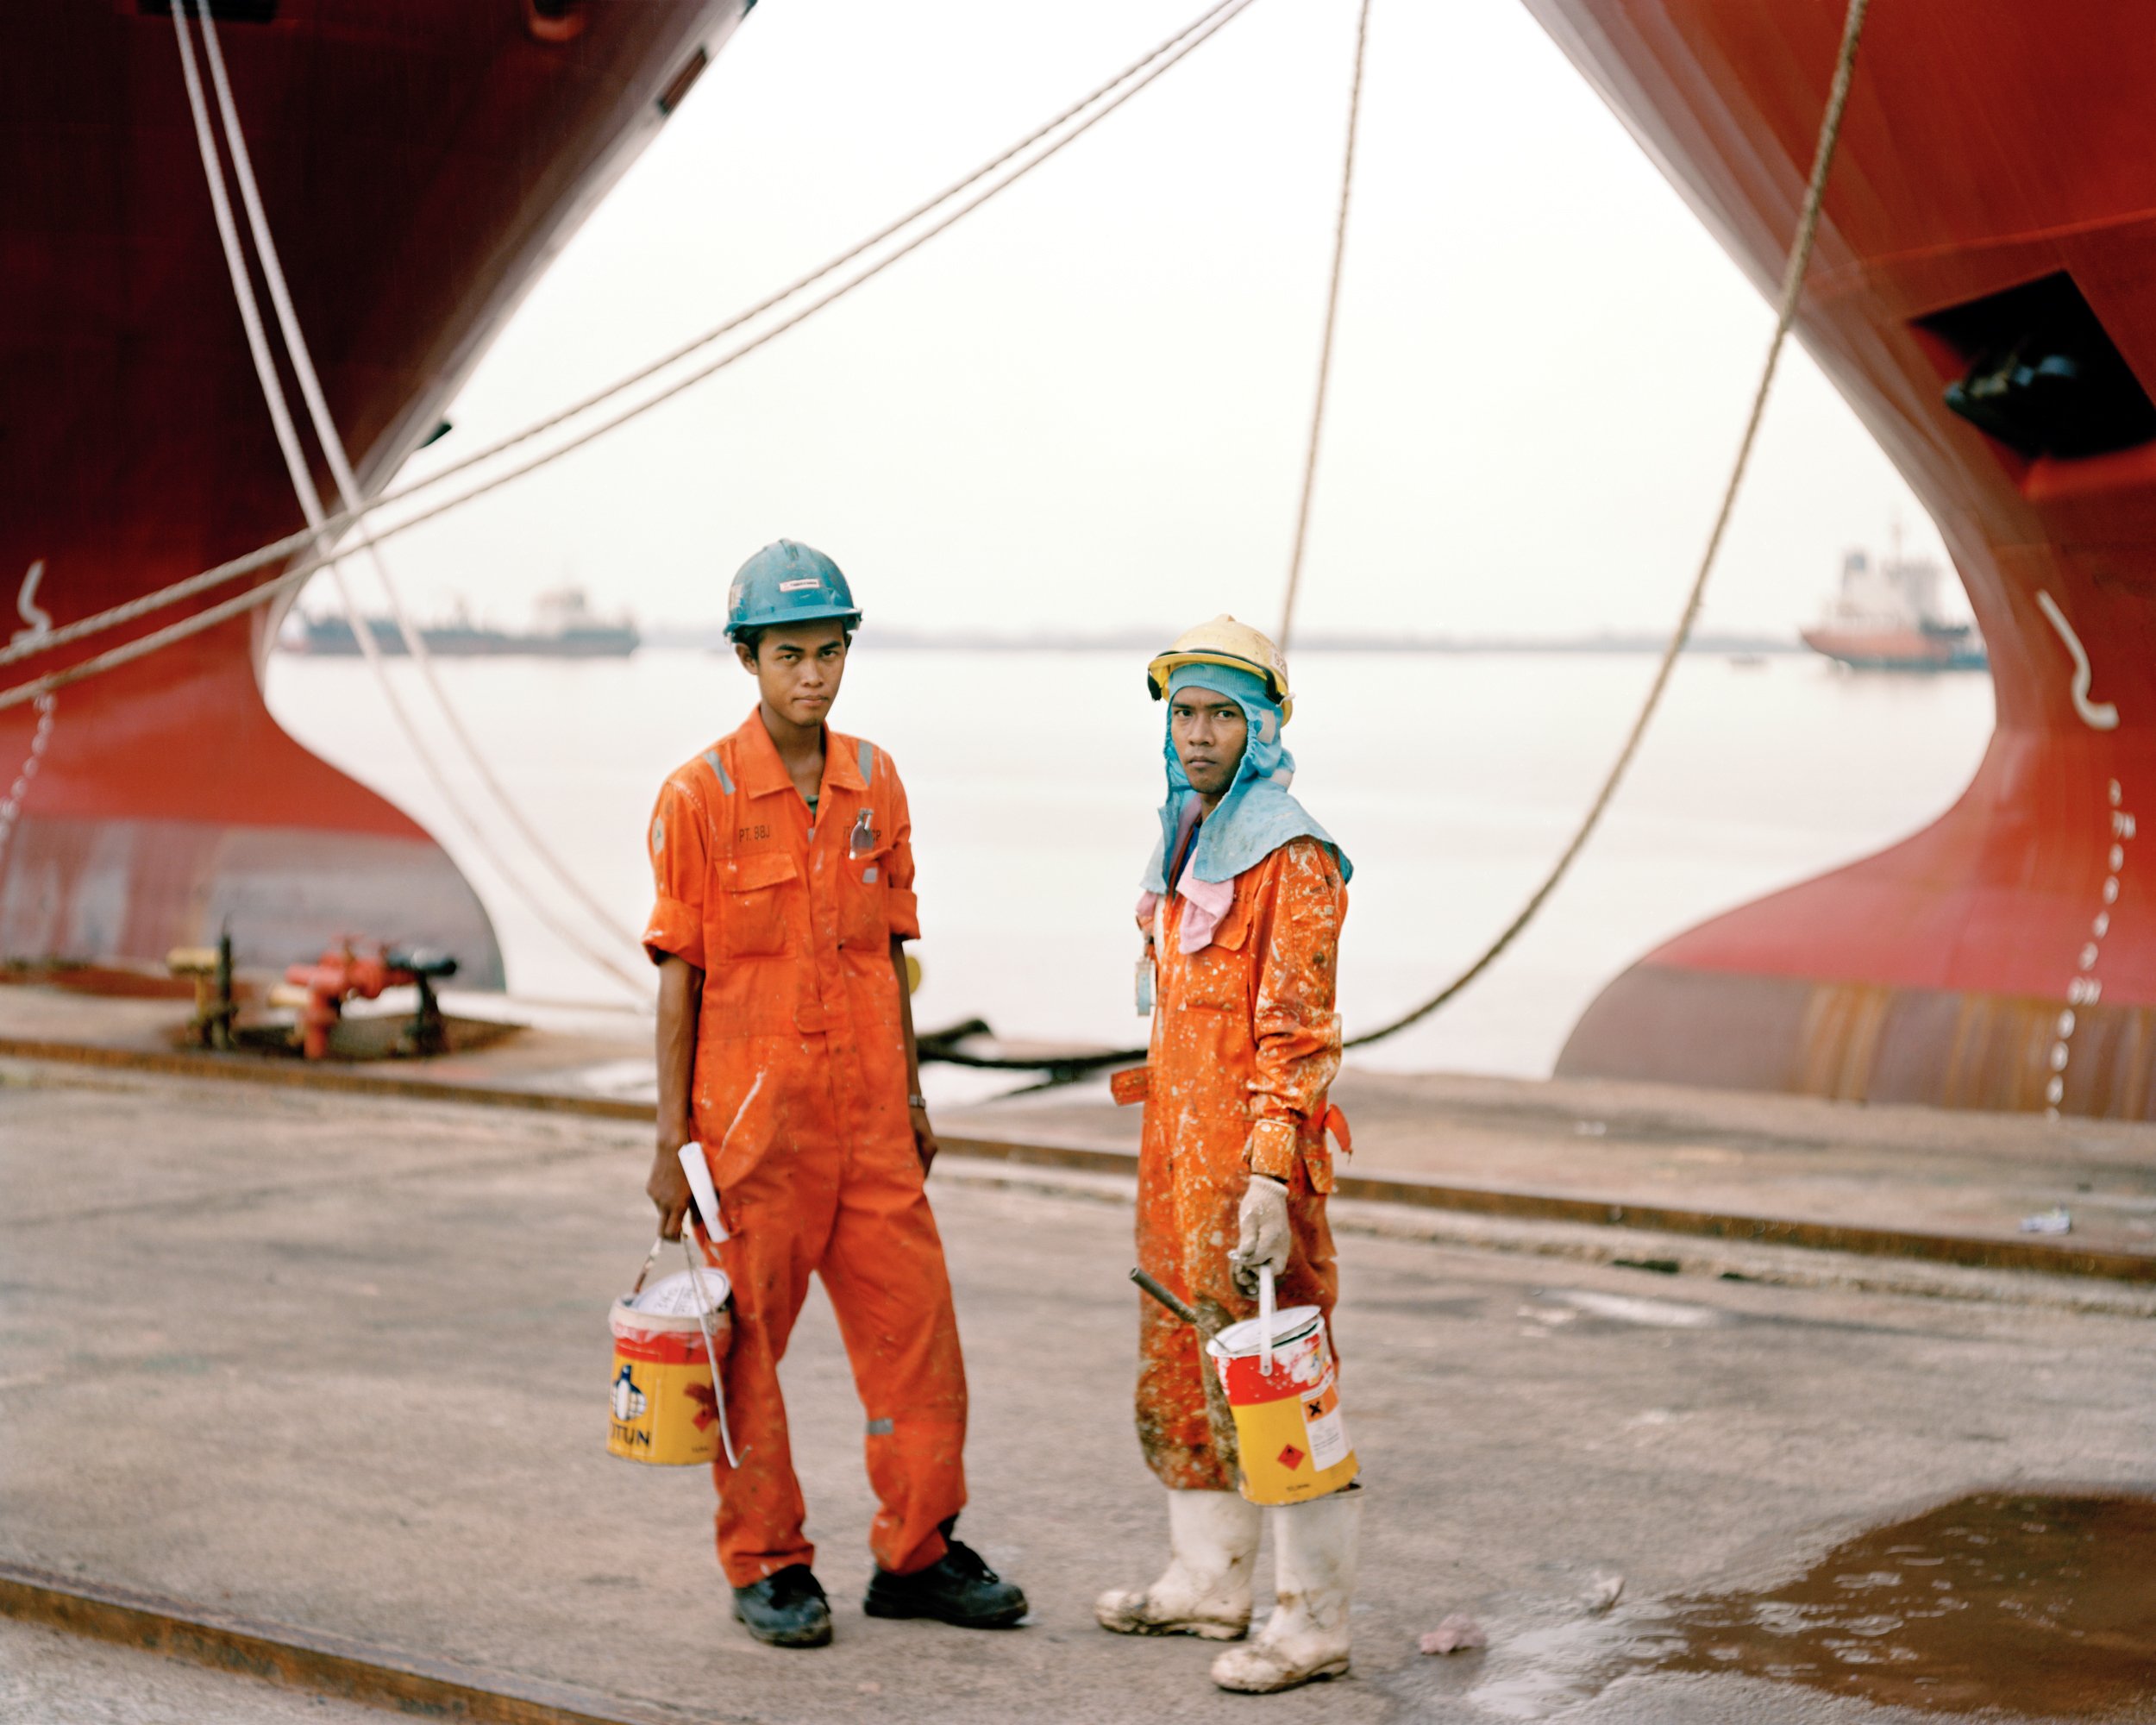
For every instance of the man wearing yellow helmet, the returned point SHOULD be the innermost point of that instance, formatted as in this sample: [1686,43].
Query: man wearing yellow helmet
[1244,897]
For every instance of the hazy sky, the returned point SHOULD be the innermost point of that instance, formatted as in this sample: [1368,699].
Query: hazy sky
[1084,408]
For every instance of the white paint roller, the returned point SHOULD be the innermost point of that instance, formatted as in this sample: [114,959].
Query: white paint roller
[706,1197]
[699,1177]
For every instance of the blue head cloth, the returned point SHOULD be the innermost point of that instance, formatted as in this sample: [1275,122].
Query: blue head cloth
[1256,816]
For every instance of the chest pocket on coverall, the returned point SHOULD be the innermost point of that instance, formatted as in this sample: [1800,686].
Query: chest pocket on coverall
[864,914]
[1219,977]
[753,922]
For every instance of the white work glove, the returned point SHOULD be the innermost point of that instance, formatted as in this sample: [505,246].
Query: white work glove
[1262,1242]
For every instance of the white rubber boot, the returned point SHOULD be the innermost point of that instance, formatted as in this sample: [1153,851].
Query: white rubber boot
[1212,1550]
[1314,1582]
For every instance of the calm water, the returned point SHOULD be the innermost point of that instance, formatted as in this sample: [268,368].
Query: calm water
[1452,781]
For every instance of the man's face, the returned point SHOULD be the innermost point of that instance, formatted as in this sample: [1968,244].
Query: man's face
[799,668]
[1209,732]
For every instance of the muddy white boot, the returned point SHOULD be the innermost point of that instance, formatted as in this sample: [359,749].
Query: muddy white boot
[1213,1549]
[1314,1582]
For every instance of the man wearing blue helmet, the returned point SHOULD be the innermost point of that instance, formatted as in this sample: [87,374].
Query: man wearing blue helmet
[783,860]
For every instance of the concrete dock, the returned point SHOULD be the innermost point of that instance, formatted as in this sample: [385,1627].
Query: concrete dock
[1900,1181]
[332,1366]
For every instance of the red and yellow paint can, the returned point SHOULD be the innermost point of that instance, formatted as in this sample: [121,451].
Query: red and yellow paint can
[1288,1421]
[662,1406]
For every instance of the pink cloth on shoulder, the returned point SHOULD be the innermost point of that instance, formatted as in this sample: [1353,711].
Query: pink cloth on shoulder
[1206,904]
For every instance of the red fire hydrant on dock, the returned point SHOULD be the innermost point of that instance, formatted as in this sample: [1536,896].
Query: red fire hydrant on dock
[343,974]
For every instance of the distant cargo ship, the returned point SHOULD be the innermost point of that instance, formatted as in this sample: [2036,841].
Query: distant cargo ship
[566,628]
[1886,617]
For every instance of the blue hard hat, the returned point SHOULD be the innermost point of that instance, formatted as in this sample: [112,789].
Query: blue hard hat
[787,582]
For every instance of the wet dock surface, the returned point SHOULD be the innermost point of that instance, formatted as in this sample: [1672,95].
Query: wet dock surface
[338,1363]
[2032,1603]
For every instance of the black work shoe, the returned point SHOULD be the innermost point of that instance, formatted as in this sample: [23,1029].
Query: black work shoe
[787,1608]
[957,1588]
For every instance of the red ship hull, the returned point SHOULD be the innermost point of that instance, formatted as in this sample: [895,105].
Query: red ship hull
[420,162]
[2004,957]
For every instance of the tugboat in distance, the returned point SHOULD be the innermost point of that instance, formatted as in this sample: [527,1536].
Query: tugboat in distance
[565,627]
[1886,617]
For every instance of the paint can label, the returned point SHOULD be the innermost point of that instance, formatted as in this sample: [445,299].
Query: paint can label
[662,1405]
[1323,1424]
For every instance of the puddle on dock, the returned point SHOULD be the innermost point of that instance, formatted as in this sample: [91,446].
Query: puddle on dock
[2039,1606]
[2014,1604]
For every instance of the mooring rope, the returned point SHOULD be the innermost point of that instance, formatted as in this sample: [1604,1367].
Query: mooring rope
[1331,318]
[1115,92]
[332,443]
[1792,292]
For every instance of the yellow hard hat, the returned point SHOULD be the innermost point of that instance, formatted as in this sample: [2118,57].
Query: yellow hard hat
[1225,642]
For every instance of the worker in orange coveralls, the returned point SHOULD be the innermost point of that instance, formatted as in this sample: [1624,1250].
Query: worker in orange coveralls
[785,871]
[1242,951]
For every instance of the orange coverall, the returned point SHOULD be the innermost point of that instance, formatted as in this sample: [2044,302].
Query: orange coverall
[1245,1043]
[800,1100]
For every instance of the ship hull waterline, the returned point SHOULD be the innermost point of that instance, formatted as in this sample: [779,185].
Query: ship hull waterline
[2005,956]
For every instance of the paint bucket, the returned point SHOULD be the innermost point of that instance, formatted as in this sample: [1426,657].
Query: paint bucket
[1287,1424]
[662,1404]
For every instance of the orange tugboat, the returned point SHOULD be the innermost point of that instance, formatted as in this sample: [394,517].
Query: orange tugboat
[1886,617]
[419,164]
[1980,295]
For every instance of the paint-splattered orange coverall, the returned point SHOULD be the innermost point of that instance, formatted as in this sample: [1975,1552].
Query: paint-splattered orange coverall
[1245,1043]
[800,1100]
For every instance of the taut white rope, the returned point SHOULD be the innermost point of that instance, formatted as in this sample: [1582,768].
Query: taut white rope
[332,443]
[310,501]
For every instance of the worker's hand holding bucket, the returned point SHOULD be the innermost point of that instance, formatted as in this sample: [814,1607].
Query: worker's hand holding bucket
[1263,1239]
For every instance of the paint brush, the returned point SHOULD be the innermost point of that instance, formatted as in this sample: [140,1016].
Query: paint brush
[1166,1298]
